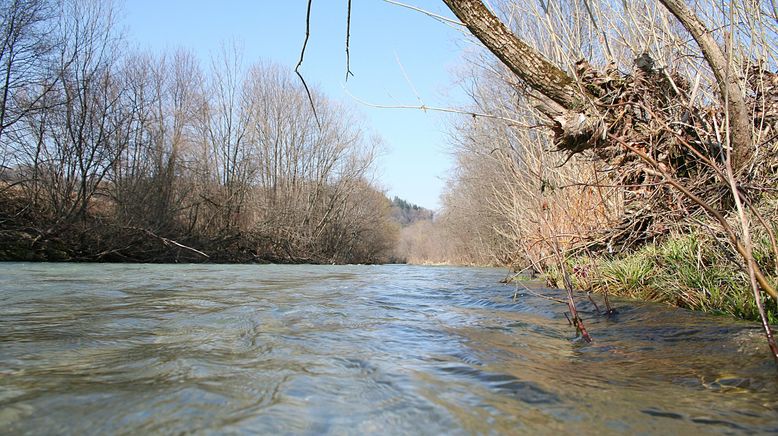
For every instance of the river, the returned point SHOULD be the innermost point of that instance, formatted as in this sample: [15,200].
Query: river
[138,349]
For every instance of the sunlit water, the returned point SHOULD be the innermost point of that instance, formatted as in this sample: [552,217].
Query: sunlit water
[139,349]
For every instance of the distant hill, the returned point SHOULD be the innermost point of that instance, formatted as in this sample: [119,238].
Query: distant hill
[407,213]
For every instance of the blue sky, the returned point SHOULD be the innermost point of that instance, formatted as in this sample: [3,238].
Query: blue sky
[386,40]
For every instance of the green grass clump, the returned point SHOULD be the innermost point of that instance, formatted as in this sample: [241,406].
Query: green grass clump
[694,271]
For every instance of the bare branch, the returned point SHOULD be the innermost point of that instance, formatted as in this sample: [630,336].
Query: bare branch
[424,108]
[300,62]
[348,37]
[440,18]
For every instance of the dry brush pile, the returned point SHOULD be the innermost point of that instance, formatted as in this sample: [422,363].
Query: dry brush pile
[654,111]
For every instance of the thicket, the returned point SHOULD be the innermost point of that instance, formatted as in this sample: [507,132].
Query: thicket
[654,153]
[110,154]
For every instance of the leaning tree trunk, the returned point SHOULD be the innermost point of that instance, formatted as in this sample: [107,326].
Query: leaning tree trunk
[559,96]
[526,62]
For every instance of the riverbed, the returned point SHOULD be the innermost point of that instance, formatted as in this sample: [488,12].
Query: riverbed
[137,349]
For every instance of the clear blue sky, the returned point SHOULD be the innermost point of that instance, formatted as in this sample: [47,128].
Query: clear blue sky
[416,162]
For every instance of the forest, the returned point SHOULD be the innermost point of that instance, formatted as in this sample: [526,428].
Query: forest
[114,155]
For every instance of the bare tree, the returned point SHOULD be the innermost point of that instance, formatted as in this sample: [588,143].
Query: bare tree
[85,134]
[149,183]
[25,32]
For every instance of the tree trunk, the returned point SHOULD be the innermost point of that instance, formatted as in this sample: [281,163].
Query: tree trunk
[561,99]
[732,97]
[526,62]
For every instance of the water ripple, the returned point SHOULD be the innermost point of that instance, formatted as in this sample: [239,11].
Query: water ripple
[357,350]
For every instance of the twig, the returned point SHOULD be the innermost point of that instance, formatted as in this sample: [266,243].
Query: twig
[608,309]
[425,12]
[577,321]
[744,223]
[749,258]
[348,37]
[408,80]
[425,108]
[300,62]
[167,241]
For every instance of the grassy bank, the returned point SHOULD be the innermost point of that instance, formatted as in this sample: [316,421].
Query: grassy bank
[693,270]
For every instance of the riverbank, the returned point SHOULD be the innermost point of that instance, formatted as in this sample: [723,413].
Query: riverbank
[121,244]
[100,234]
[692,270]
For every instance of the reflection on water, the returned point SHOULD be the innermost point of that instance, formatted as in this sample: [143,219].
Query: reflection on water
[354,350]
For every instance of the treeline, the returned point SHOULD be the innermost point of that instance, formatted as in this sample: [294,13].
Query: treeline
[406,213]
[443,238]
[419,241]
[111,154]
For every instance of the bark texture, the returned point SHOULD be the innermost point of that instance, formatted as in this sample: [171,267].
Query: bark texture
[526,62]
[578,122]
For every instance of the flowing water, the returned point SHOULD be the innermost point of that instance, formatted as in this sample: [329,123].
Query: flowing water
[138,349]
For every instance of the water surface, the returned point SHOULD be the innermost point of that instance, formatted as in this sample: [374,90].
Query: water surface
[89,348]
